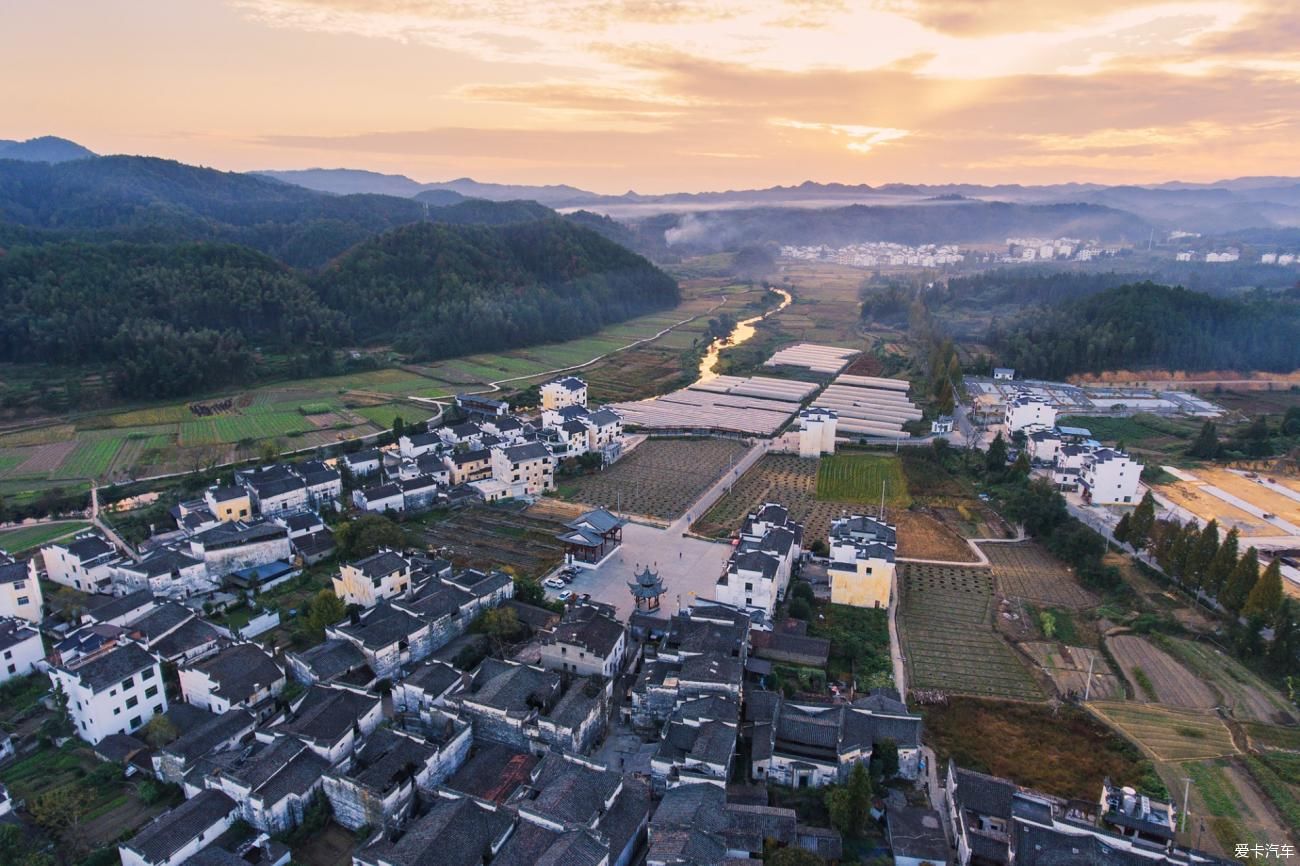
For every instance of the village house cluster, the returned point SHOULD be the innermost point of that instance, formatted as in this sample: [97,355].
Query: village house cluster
[879,254]
[1076,461]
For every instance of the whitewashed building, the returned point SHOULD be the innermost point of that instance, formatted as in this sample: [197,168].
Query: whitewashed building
[1026,413]
[21,648]
[20,591]
[381,575]
[1110,477]
[114,693]
[85,563]
[568,391]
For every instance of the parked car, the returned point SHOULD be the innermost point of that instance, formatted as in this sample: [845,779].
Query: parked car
[565,595]
[569,571]
[553,583]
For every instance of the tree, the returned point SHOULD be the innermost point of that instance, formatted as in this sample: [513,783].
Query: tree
[848,803]
[366,534]
[996,458]
[1037,505]
[1020,469]
[800,609]
[1202,555]
[1206,445]
[529,591]
[887,751]
[793,856]
[1144,519]
[1047,620]
[1123,529]
[160,731]
[1286,638]
[1242,582]
[1265,599]
[62,811]
[501,625]
[325,610]
[399,428]
[1225,560]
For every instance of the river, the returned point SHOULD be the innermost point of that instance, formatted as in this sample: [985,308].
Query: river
[742,332]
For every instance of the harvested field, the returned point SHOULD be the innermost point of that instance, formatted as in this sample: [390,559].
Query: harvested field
[974,519]
[1010,739]
[1156,676]
[1245,695]
[922,536]
[1262,491]
[1169,734]
[492,537]
[1068,667]
[45,459]
[946,625]
[1193,496]
[1025,570]
[660,478]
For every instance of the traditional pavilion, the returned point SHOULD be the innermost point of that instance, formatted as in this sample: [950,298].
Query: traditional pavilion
[592,536]
[646,589]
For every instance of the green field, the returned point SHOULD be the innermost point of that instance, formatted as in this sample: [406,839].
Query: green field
[90,459]
[16,541]
[847,477]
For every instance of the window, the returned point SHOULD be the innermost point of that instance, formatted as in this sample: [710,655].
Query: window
[22,600]
[749,587]
[131,702]
[20,584]
[157,709]
[127,683]
[151,691]
[13,669]
[9,654]
[117,711]
[135,722]
[147,675]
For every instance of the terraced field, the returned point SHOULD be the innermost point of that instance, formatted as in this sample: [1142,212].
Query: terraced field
[1156,676]
[1025,570]
[1246,695]
[1169,734]
[660,478]
[946,626]
[1068,666]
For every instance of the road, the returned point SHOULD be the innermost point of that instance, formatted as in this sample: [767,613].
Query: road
[720,487]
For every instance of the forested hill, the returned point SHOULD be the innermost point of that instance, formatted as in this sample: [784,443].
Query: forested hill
[147,199]
[1150,325]
[438,290]
[168,320]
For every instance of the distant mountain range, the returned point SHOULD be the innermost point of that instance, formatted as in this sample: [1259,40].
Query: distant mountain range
[47,148]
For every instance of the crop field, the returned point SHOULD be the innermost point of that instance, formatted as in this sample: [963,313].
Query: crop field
[1023,569]
[660,478]
[1246,695]
[1142,434]
[923,536]
[1235,810]
[1068,667]
[1168,733]
[90,459]
[492,537]
[848,477]
[946,625]
[22,539]
[1156,676]
[1010,739]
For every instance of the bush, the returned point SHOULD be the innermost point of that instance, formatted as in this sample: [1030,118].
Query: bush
[801,609]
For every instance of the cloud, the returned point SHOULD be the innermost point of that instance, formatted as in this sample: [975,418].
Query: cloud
[861,139]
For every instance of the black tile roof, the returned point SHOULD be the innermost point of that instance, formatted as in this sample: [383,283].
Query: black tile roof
[326,715]
[381,564]
[89,547]
[114,666]
[451,833]
[385,760]
[382,626]
[331,658]
[493,772]
[239,671]
[189,637]
[11,572]
[16,631]
[585,626]
[200,740]
[527,451]
[171,831]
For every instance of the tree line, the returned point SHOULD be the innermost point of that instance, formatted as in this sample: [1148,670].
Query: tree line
[1150,325]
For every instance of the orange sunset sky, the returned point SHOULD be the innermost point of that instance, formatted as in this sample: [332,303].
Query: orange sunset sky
[666,95]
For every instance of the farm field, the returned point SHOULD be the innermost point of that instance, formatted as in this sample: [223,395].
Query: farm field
[1243,693]
[23,539]
[660,478]
[141,441]
[1234,808]
[498,536]
[1024,570]
[849,477]
[1009,740]
[946,626]
[1156,676]
[1068,668]
[1147,435]
[1191,496]
[792,481]
[1169,734]
[826,308]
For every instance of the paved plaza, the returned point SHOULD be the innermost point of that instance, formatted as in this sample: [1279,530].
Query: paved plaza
[689,566]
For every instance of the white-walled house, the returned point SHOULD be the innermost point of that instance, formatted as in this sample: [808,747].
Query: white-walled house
[164,572]
[589,640]
[177,835]
[1043,446]
[1026,413]
[85,563]
[862,554]
[21,648]
[114,693]
[381,575]
[239,676]
[1110,477]
[568,391]
[362,463]
[20,591]
[238,544]
[759,569]
[528,469]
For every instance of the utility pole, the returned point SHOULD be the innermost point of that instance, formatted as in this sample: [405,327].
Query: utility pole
[1187,785]
[1087,689]
[882,500]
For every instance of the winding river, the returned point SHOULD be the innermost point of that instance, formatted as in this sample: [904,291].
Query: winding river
[742,332]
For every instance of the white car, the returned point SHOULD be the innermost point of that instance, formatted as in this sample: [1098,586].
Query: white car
[565,596]
[553,583]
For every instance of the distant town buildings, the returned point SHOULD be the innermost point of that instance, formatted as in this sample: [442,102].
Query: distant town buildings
[875,254]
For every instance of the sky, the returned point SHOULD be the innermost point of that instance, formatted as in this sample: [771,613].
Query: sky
[670,95]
